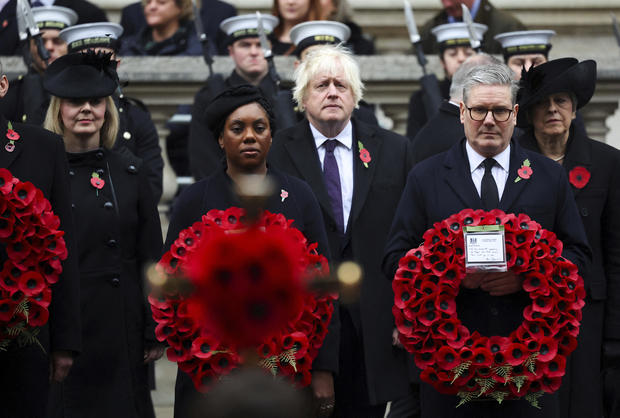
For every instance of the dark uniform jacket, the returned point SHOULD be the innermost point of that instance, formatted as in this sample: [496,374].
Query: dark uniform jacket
[118,233]
[498,21]
[26,101]
[216,192]
[376,192]
[418,115]
[39,157]
[9,37]
[441,186]
[598,203]
[439,134]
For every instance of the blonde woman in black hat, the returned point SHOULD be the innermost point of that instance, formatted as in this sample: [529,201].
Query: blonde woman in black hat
[549,97]
[118,232]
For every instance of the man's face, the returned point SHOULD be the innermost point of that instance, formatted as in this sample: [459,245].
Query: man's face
[488,137]
[54,45]
[248,57]
[452,58]
[552,116]
[453,7]
[517,62]
[329,99]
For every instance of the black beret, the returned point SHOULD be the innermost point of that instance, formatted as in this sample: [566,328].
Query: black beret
[229,100]
[82,75]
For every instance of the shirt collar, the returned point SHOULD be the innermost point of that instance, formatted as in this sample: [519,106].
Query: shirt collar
[345,137]
[475,159]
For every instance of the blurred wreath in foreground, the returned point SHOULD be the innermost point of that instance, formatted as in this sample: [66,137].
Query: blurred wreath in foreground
[33,248]
[528,362]
[248,300]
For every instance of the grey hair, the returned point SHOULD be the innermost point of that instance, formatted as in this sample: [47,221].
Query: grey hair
[459,77]
[490,75]
[327,59]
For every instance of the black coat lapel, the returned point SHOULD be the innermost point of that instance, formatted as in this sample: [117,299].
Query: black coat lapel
[458,176]
[7,158]
[513,189]
[362,175]
[302,149]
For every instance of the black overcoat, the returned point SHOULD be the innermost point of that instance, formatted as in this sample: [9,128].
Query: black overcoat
[118,233]
[441,186]
[376,192]
[216,192]
[39,157]
[599,206]
[417,115]
[9,37]
[439,134]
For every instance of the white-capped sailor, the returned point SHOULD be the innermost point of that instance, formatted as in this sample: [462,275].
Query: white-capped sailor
[92,35]
[50,20]
[244,26]
[454,44]
[525,49]
[318,32]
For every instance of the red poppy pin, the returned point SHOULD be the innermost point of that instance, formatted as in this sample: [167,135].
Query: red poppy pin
[525,172]
[579,176]
[12,136]
[283,194]
[97,182]
[364,154]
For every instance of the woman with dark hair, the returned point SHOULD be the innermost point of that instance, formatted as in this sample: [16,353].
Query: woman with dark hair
[548,100]
[118,233]
[290,13]
[169,31]
[242,121]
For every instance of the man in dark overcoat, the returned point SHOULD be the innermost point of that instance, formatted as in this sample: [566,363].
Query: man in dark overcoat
[39,157]
[357,173]
[480,172]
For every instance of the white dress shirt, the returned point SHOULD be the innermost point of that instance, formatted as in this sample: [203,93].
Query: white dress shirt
[499,170]
[344,157]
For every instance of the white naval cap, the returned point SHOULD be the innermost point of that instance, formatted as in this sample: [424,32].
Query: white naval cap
[320,31]
[244,26]
[54,17]
[456,34]
[525,42]
[92,35]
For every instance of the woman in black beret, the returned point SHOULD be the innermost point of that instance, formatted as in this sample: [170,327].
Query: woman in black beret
[242,120]
[118,232]
[549,97]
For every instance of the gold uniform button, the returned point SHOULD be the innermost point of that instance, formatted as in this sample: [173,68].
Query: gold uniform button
[127,135]
[24,117]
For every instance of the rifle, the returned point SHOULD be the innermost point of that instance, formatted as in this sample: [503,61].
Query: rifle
[28,29]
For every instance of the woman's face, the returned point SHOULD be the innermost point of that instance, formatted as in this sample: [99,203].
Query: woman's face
[293,10]
[553,115]
[83,117]
[161,12]
[246,138]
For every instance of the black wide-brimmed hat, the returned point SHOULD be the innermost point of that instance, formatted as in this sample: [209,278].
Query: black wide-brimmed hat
[561,75]
[82,75]
[229,100]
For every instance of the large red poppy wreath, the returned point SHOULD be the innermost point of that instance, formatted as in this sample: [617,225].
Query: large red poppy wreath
[34,249]
[248,296]
[525,364]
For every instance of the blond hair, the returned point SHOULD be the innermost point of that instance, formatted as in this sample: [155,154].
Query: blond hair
[327,59]
[109,130]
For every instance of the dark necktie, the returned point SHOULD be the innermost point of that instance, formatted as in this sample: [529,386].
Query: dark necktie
[488,189]
[332,181]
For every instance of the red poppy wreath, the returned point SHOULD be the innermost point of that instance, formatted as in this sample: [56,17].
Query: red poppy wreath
[248,300]
[532,359]
[34,249]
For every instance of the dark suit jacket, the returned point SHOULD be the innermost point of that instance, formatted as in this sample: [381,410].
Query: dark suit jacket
[417,116]
[376,192]
[87,12]
[599,206]
[9,38]
[215,192]
[498,22]
[441,186]
[212,13]
[439,134]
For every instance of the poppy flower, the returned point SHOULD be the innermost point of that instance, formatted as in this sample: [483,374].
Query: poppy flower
[365,156]
[37,315]
[567,344]
[423,360]
[302,378]
[402,293]
[403,325]
[204,347]
[31,283]
[7,308]
[6,181]
[446,304]
[579,176]
[547,349]
[482,357]
[516,354]
[163,331]
[555,367]
[449,328]
[496,344]
[536,282]
[12,135]
[43,298]
[24,193]
[223,363]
